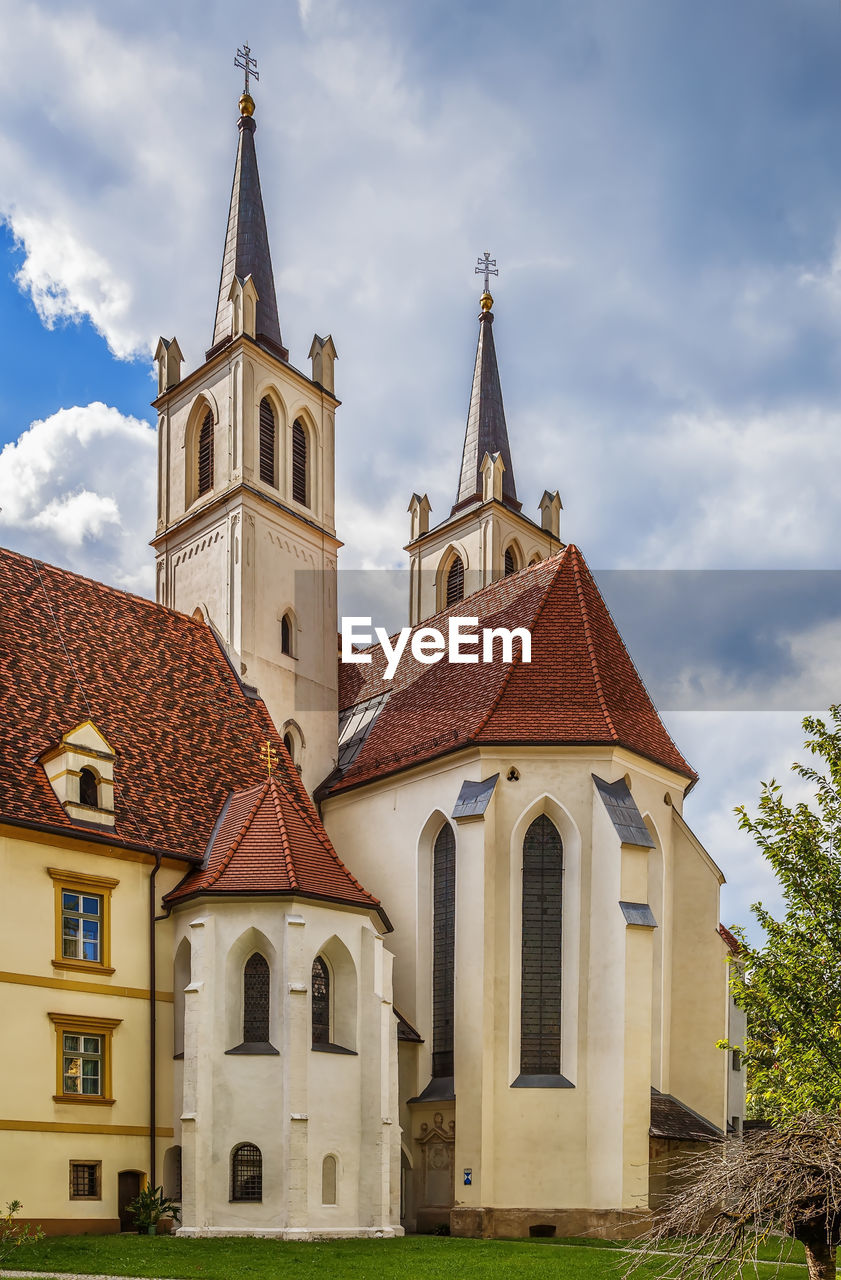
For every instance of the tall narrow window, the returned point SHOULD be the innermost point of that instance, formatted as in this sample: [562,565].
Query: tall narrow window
[205,453]
[88,789]
[286,635]
[246,1172]
[510,564]
[455,582]
[299,462]
[255,1002]
[320,1001]
[267,439]
[443,951]
[540,1000]
[328,1180]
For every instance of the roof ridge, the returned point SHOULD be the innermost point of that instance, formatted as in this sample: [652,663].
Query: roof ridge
[591,649]
[291,869]
[226,860]
[517,661]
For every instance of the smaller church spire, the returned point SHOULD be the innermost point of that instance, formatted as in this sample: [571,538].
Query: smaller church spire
[247,239]
[486,431]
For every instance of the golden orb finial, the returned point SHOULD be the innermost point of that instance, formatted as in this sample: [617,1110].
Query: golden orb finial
[246,105]
[486,301]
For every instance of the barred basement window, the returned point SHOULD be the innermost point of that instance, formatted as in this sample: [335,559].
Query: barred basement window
[86,1180]
[540,1000]
[299,462]
[205,454]
[267,442]
[320,1001]
[443,951]
[255,1004]
[246,1172]
[510,566]
[455,582]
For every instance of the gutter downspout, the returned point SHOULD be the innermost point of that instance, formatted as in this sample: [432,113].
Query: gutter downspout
[152,1026]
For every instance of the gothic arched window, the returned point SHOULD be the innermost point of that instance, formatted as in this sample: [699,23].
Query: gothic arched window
[267,442]
[443,950]
[289,743]
[320,1001]
[455,582]
[246,1172]
[510,563]
[205,454]
[540,997]
[286,635]
[299,462]
[255,1000]
[88,789]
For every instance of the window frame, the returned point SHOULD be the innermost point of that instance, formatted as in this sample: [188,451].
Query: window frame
[234,1199]
[97,1165]
[89,886]
[78,1025]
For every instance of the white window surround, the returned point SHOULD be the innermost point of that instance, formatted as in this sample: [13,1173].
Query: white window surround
[82,748]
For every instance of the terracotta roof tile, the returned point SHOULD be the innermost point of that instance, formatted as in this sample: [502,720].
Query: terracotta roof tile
[581,686]
[270,841]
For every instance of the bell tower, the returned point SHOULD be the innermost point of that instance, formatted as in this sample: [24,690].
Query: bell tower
[486,535]
[245,524]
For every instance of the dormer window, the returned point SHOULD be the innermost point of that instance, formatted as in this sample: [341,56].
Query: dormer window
[88,788]
[80,770]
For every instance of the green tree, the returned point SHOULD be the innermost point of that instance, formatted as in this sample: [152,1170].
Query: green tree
[790,985]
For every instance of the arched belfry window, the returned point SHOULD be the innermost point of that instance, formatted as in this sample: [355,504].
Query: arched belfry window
[455,582]
[267,442]
[246,1172]
[540,998]
[320,1001]
[255,1000]
[299,463]
[443,950]
[510,562]
[205,454]
[88,789]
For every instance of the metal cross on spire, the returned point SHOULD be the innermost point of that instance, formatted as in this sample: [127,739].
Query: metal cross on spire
[269,756]
[487,267]
[246,63]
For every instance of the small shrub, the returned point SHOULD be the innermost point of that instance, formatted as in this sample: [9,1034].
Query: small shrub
[13,1235]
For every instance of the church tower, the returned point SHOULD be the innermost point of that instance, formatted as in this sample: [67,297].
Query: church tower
[245,525]
[486,535]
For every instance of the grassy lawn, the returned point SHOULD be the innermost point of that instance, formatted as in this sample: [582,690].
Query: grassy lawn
[417,1257]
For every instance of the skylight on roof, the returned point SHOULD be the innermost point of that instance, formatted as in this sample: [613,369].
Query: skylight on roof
[355,723]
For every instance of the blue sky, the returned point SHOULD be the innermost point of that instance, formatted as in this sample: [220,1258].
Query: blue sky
[660,182]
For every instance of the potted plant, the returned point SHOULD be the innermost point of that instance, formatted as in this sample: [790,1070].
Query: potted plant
[149,1207]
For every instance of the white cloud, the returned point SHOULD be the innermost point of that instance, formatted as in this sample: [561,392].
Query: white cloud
[78,489]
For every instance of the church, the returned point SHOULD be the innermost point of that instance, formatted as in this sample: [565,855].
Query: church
[324,950]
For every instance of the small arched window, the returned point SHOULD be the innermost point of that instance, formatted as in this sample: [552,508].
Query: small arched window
[286,635]
[510,562]
[328,1180]
[455,582]
[205,454]
[246,1172]
[255,1000]
[299,462]
[289,743]
[267,443]
[320,1001]
[540,999]
[443,950]
[88,788]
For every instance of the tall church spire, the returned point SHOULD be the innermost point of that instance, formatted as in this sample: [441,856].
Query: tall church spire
[247,243]
[486,430]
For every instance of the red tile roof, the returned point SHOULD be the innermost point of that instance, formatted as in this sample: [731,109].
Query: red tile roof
[153,681]
[730,939]
[269,841]
[581,686]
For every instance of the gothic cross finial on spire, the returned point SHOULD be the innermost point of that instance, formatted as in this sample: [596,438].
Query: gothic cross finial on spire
[246,63]
[486,267]
[269,756]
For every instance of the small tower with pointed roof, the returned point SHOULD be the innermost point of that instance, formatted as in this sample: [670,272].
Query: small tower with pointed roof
[486,535]
[245,525]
